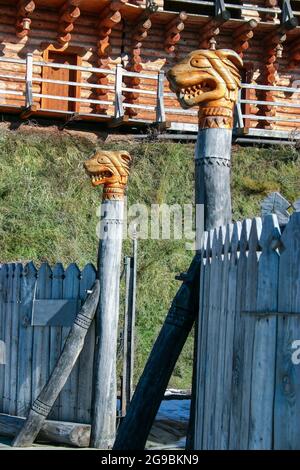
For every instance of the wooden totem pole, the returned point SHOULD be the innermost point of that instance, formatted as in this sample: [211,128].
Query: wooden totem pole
[209,79]
[110,169]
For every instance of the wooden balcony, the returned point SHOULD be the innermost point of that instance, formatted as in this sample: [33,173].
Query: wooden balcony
[29,94]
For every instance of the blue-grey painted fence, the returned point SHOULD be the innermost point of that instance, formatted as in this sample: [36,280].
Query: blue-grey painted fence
[33,344]
[248,379]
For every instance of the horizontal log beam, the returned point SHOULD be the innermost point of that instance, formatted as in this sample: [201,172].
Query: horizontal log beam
[25,7]
[60,432]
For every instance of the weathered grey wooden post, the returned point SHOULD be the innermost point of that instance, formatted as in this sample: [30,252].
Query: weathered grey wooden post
[110,169]
[211,80]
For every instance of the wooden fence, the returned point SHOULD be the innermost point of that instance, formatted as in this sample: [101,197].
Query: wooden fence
[248,385]
[37,309]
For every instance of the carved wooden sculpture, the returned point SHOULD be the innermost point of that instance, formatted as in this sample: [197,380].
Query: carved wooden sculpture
[110,169]
[24,9]
[210,80]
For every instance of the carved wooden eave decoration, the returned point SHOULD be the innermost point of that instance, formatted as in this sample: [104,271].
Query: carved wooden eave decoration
[243,35]
[173,30]
[272,52]
[138,36]
[109,17]
[210,31]
[24,9]
[68,14]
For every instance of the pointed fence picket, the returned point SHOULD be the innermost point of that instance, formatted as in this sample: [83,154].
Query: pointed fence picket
[248,387]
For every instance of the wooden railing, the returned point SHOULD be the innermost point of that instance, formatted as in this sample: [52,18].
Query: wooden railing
[232,6]
[116,103]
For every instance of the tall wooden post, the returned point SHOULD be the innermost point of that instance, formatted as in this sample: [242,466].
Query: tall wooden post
[211,80]
[110,169]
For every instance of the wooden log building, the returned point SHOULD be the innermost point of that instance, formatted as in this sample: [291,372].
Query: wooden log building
[105,60]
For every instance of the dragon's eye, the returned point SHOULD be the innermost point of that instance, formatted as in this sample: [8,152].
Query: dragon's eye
[200,63]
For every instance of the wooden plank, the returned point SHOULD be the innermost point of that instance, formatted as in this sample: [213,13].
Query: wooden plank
[220,442]
[68,394]
[229,339]
[212,346]
[55,331]
[40,342]
[15,321]
[202,342]
[3,318]
[287,394]
[54,312]
[238,342]
[86,358]
[25,340]
[59,432]
[250,302]
[264,349]
[8,331]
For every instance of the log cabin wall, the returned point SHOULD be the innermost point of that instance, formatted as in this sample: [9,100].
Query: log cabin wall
[152,55]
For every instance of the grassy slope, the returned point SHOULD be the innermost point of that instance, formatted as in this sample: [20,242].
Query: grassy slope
[48,210]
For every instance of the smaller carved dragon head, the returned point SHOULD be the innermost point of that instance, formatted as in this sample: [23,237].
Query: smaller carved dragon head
[111,169]
[208,79]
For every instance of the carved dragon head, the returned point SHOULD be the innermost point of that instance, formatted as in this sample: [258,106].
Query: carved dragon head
[210,79]
[111,169]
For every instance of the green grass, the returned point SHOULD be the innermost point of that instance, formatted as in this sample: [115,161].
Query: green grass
[48,210]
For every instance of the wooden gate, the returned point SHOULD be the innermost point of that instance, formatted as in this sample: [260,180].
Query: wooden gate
[37,309]
[248,371]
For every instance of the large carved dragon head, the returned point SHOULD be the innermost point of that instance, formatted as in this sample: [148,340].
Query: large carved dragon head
[210,79]
[111,169]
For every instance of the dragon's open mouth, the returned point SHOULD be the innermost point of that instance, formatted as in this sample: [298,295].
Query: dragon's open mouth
[97,178]
[194,90]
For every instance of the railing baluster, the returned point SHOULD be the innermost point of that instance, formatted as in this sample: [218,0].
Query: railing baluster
[239,122]
[28,89]
[160,107]
[119,110]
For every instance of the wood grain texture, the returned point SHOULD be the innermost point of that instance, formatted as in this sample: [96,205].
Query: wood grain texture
[72,348]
